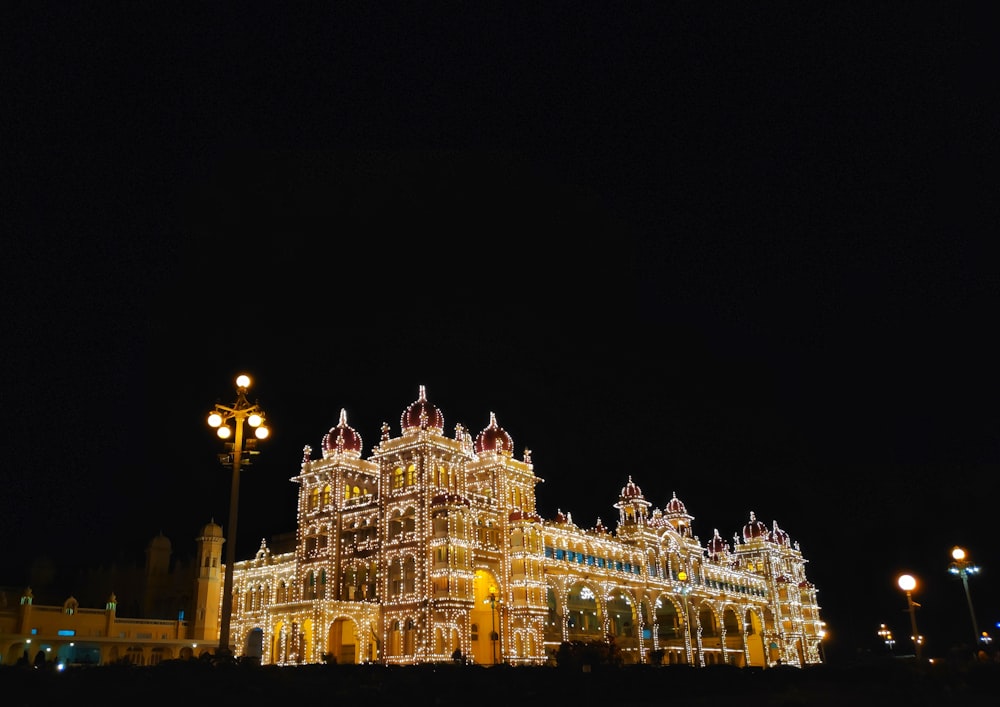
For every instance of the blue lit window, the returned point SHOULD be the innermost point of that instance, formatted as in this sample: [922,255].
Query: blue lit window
[66,632]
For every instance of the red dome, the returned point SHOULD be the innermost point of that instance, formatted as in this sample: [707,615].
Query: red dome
[342,439]
[754,529]
[717,546]
[494,439]
[675,506]
[422,415]
[630,490]
[778,535]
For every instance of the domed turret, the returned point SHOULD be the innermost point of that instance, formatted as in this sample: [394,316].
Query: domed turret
[630,490]
[778,535]
[675,505]
[675,514]
[342,439]
[633,508]
[717,547]
[494,439]
[211,530]
[422,415]
[754,529]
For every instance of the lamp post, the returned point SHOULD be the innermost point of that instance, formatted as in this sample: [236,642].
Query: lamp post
[492,600]
[963,568]
[684,589]
[229,420]
[907,583]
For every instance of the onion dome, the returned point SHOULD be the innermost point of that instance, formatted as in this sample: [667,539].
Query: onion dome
[599,528]
[494,439]
[422,415]
[342,439]
[676,515]
[674,505]
[717,546]
[779,536]
[754,529]
[560,516]
[630,490]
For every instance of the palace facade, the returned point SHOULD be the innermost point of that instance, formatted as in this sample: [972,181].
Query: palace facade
[431,549]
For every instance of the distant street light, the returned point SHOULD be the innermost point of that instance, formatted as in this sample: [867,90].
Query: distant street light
[963,568]
[907,583]
[886,635]
[241,411]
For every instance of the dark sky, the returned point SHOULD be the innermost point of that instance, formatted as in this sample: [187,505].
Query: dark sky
[739,254]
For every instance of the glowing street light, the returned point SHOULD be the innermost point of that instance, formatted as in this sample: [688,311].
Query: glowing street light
[907,583]
[963,568]
[886,635]
[242,411]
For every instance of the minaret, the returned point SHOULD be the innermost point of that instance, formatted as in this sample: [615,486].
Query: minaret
[208,584]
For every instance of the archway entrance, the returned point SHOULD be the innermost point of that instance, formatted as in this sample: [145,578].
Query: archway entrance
[342,643]
[485,622]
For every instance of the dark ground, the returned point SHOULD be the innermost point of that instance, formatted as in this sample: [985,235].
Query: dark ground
[887,683]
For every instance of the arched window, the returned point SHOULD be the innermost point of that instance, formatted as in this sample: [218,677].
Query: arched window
[395,578]
[411,474]
[410,520]
[397,477]
[409,574]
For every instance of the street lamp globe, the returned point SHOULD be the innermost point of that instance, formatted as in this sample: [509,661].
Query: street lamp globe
[906,582]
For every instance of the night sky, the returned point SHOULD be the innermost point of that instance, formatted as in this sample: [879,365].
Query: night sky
[738,254]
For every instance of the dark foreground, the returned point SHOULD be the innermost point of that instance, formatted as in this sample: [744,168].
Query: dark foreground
[445,685]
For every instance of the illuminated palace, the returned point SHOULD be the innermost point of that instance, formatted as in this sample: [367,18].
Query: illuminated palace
[430,550]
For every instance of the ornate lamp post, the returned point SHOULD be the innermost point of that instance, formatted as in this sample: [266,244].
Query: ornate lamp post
[492,600]
[229,420]
[907,583]
[963,568]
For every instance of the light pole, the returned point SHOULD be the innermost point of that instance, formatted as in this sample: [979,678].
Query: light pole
[907,583]
[242,411]
[963,568]
[684,589]
[492,600]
